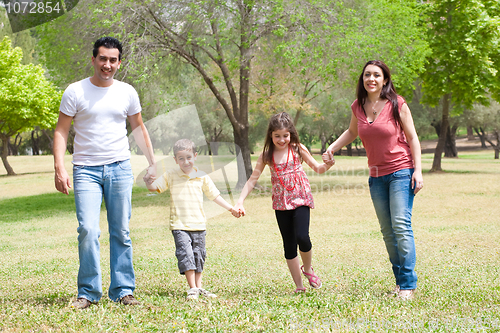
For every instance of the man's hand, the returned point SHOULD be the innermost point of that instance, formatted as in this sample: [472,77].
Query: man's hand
[62,181]
[150,175]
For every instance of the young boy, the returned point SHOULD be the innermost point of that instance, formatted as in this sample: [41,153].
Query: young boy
[187,218]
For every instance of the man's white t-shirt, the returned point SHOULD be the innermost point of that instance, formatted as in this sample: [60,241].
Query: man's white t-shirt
[99,119]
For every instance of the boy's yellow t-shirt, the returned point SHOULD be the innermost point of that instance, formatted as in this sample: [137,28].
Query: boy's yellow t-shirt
[186,197]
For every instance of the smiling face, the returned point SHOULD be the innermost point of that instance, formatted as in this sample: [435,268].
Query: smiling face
[106,63]
[281,139]
[185,159]
[373,79]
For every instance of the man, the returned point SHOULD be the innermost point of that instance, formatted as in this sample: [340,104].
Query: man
[99,107]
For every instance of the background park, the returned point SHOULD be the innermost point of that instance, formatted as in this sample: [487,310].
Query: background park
[239,62]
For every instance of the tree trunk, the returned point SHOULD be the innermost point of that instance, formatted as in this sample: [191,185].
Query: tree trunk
[450,147]
[349,149]
[14,147]
[481,135]
[51,141]
[496,146]
[245,170]
[436,163]
[470,133]
[34,142]
[5,153]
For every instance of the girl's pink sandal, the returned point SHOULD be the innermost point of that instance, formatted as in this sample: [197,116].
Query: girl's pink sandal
[314,280]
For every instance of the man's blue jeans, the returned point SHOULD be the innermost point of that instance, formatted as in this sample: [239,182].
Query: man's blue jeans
[114,183]
[392,197]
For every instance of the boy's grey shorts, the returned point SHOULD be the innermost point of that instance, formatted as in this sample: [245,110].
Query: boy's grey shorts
[190,250]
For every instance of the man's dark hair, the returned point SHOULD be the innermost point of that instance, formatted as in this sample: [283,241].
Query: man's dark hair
[109,43]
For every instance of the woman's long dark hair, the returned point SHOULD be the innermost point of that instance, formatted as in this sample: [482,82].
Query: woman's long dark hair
[278,122]
[388,91]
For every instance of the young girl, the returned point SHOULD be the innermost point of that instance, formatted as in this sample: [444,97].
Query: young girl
[292,197]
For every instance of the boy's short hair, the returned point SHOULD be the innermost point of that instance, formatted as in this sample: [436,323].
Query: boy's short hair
[184,144]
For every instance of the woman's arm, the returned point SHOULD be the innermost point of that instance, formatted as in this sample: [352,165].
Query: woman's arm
[347,137]
[417,181]
[309,159]
[250,184]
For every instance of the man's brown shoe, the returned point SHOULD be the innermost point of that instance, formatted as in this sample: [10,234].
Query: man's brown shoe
[129,300]
[81,303]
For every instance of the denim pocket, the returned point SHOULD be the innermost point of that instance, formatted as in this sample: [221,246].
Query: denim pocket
[125,165]
[370,181]
[404,173]
[78,167]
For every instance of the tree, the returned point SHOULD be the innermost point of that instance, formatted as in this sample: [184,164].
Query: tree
[27,98]
[486,119]
[463,68]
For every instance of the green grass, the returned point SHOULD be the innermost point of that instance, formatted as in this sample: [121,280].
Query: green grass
[455,221]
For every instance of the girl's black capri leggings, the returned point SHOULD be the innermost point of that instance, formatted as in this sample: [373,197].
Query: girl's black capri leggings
[294,228]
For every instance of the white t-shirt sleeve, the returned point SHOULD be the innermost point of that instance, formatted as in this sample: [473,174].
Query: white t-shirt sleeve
[135,103]
[68,101]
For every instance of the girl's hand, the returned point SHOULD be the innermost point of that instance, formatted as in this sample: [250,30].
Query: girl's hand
[236,213]
[417,181]
[239,207]
[327,159]
[328,154]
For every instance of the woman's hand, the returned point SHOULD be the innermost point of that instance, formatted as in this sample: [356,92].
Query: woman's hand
[239,207]
[417,181]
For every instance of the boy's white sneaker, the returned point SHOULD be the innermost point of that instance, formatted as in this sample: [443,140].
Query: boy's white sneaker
[207,293]
[193,293]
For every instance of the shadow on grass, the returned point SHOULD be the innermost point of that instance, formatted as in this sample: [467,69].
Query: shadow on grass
[36,206]
[26,173]
[52,204]
[55,299]
[469,172]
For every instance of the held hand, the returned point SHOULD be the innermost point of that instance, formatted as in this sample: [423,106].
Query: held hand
[62,181]
[330,162]
[417,181]
[240,209]
[328,158]
[150,175]
[236,213]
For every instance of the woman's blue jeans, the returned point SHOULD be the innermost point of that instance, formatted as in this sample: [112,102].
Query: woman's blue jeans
[392,197]
[114,183]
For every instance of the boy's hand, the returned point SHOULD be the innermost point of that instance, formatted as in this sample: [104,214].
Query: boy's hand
[150,175]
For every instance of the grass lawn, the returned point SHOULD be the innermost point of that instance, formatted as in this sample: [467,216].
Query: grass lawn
[456,221]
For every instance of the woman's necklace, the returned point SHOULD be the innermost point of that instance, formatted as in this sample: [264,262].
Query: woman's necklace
[376,109]
[286,165]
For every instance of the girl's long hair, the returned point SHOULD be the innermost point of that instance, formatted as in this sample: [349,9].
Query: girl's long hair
[388,90]
[277,122]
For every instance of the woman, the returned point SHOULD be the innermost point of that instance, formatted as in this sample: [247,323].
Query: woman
[385,126]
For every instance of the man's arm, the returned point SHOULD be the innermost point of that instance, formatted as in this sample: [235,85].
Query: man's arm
[141,136]
[61,178]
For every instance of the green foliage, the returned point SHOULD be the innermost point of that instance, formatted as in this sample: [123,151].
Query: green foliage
[348,34]
[27,98]
[22,39]
[464,36]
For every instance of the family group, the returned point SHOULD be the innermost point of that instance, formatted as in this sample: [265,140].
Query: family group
[99,107]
